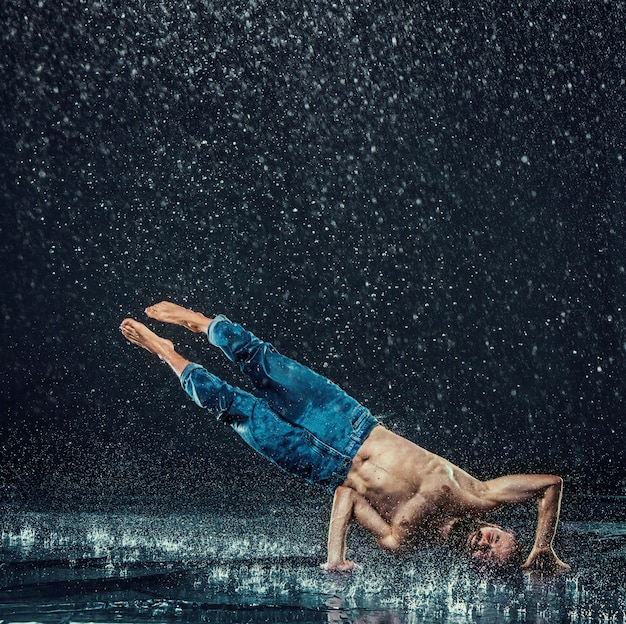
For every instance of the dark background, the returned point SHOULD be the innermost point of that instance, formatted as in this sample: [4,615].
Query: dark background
[421,200]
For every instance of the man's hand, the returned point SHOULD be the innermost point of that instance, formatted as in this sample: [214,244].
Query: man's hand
[344,566]
[545,560]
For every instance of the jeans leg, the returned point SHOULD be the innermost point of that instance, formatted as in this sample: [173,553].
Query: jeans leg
[291,448]
[232,406]
[288,386]
[207,390]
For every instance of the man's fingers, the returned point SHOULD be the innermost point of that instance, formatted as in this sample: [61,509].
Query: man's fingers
[346,566]
[544,561]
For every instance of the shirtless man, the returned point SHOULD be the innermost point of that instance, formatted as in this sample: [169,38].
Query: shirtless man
[405,496]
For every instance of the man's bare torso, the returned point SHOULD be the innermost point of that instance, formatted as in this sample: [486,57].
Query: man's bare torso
[417,492]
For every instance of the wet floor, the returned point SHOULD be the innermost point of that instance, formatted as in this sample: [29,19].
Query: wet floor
[209,567]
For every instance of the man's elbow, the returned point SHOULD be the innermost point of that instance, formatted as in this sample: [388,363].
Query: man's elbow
[552,488]
[557,481]
[391,544]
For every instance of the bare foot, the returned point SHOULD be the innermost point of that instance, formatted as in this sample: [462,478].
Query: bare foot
[173,313]
[139,334]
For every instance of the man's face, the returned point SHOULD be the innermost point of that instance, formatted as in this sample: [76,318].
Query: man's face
[491,545]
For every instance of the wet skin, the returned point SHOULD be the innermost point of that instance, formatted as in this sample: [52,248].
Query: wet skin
[408,498]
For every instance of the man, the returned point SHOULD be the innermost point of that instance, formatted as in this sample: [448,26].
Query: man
[404,495]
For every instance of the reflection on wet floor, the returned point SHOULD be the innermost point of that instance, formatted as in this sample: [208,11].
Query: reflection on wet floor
[197,567]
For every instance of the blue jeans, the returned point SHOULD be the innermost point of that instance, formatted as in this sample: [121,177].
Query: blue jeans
[300,421]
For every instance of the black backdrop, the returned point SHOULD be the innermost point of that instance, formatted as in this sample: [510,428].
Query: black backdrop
[423,201]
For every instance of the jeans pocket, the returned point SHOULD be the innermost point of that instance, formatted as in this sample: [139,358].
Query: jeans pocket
[362,423]
[321,448]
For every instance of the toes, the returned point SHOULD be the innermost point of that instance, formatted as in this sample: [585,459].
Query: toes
[154,310]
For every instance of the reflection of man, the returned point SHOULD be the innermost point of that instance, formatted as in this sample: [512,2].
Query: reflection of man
[339,613]
[404,495]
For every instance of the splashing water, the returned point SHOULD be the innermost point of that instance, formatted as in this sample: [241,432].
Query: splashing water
[200,565]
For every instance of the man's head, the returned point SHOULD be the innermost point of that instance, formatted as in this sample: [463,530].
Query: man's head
[492,546]
[488,545]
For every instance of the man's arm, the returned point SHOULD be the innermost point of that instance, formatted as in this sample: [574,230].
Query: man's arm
[548,490]
[348,505]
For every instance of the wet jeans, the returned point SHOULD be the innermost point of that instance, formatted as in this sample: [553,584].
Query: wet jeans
[301,421]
